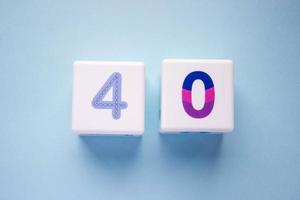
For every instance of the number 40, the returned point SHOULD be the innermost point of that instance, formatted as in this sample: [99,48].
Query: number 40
[116,105]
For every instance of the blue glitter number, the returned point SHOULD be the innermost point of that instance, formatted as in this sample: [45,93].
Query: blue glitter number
[115,82]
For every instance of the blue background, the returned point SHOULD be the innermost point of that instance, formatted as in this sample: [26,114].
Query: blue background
[40,158]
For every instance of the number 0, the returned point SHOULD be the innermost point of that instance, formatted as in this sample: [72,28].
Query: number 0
[187,94]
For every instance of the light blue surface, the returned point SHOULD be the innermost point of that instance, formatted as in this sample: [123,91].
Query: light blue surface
[40,158]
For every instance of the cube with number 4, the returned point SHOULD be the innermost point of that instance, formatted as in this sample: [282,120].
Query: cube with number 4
[108,98]
[196,96]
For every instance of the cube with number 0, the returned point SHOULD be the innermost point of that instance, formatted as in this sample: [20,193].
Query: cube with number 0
[196,96]
[108,98]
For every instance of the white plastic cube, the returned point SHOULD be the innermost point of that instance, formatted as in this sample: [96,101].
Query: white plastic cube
[108,98]
[196,96]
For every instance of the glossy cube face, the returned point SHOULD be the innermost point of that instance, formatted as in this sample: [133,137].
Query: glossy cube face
[196,96]
[108,98]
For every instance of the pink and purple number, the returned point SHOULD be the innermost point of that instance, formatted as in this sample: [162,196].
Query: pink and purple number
[187,94]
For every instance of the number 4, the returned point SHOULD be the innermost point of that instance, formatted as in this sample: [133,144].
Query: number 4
[115,82]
